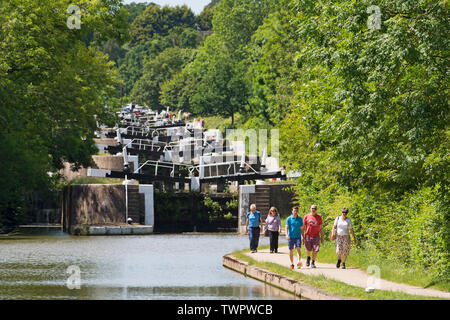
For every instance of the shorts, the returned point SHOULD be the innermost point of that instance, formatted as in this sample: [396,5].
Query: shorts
[297,242]
[312,243]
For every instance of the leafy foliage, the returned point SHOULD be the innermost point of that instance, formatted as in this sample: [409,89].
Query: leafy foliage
[147,88]
[370,120]
[135,9]
[50,90]
[156,20]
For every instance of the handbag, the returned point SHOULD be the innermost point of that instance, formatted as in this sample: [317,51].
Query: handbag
[266,233]
[333,234]
[333,231]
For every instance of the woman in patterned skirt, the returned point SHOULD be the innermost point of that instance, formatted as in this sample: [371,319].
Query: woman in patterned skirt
[342,225]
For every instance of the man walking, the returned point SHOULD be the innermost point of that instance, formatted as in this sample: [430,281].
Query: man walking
[313,235]
[252,227]
[294,231]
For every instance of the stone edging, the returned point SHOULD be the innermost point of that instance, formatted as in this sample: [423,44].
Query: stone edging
[285,283]
[112,230]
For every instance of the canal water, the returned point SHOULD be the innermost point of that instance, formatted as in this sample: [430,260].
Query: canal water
[173,267]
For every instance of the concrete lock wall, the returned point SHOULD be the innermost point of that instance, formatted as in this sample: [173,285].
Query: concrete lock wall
[264,196]
[105,205]
[114,163]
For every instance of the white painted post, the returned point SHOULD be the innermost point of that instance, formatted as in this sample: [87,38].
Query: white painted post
[195,184]
[126,199]
[244,204]
[148,191]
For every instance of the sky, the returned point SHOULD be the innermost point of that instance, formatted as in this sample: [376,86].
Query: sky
[196,5]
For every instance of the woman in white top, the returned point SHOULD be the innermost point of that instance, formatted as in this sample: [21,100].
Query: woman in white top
[342,225]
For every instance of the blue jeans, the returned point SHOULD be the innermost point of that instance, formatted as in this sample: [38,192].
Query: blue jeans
[253,235]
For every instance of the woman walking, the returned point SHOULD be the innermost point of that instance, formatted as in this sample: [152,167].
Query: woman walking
[273,225]
[342,225]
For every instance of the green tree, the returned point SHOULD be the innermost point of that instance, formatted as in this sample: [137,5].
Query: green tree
[370,122]
[157,71]
[156,20]
[273,67]
[50,90]
[384,94]
[235,21]
[215,82]
[114,51]
[131,66]
[176,91]
[205,19]
[135,9]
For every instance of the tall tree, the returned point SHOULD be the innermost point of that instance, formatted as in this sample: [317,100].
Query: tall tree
[157,71]
[382,107]
[50,90]
[273,69]
[156,20]
[135,9]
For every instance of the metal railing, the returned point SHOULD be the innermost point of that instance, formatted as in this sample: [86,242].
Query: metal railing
[162,164]
[231,169]
[146,144]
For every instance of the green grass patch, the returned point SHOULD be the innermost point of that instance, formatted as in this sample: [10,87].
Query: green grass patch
[218,122]
[95,180]
[390,270]
[328,285]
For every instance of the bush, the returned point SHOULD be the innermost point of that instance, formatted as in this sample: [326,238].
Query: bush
[428,231]
[214,208]
[412,229]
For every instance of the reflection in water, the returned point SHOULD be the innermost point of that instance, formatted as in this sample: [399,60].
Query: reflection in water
[126,267]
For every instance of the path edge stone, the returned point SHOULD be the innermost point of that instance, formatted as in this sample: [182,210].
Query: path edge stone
[288,284]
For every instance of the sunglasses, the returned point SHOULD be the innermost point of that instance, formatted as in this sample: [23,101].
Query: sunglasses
[314,209]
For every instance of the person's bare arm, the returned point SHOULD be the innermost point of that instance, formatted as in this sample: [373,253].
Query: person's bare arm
[246,226]
[287,232]
[353,234]
[302,230]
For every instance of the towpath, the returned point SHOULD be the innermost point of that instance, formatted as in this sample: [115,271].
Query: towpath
[352,276]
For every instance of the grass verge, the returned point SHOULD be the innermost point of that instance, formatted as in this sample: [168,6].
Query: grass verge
[390,270]
[95,180]
[329,285]
[394,271]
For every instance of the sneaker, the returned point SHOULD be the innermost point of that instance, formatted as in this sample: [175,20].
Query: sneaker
[343,265]
[313,264]
[338,264]
[271,251]
[299,265]
[276,250]
[292,266]
[308,259]
[253,251]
